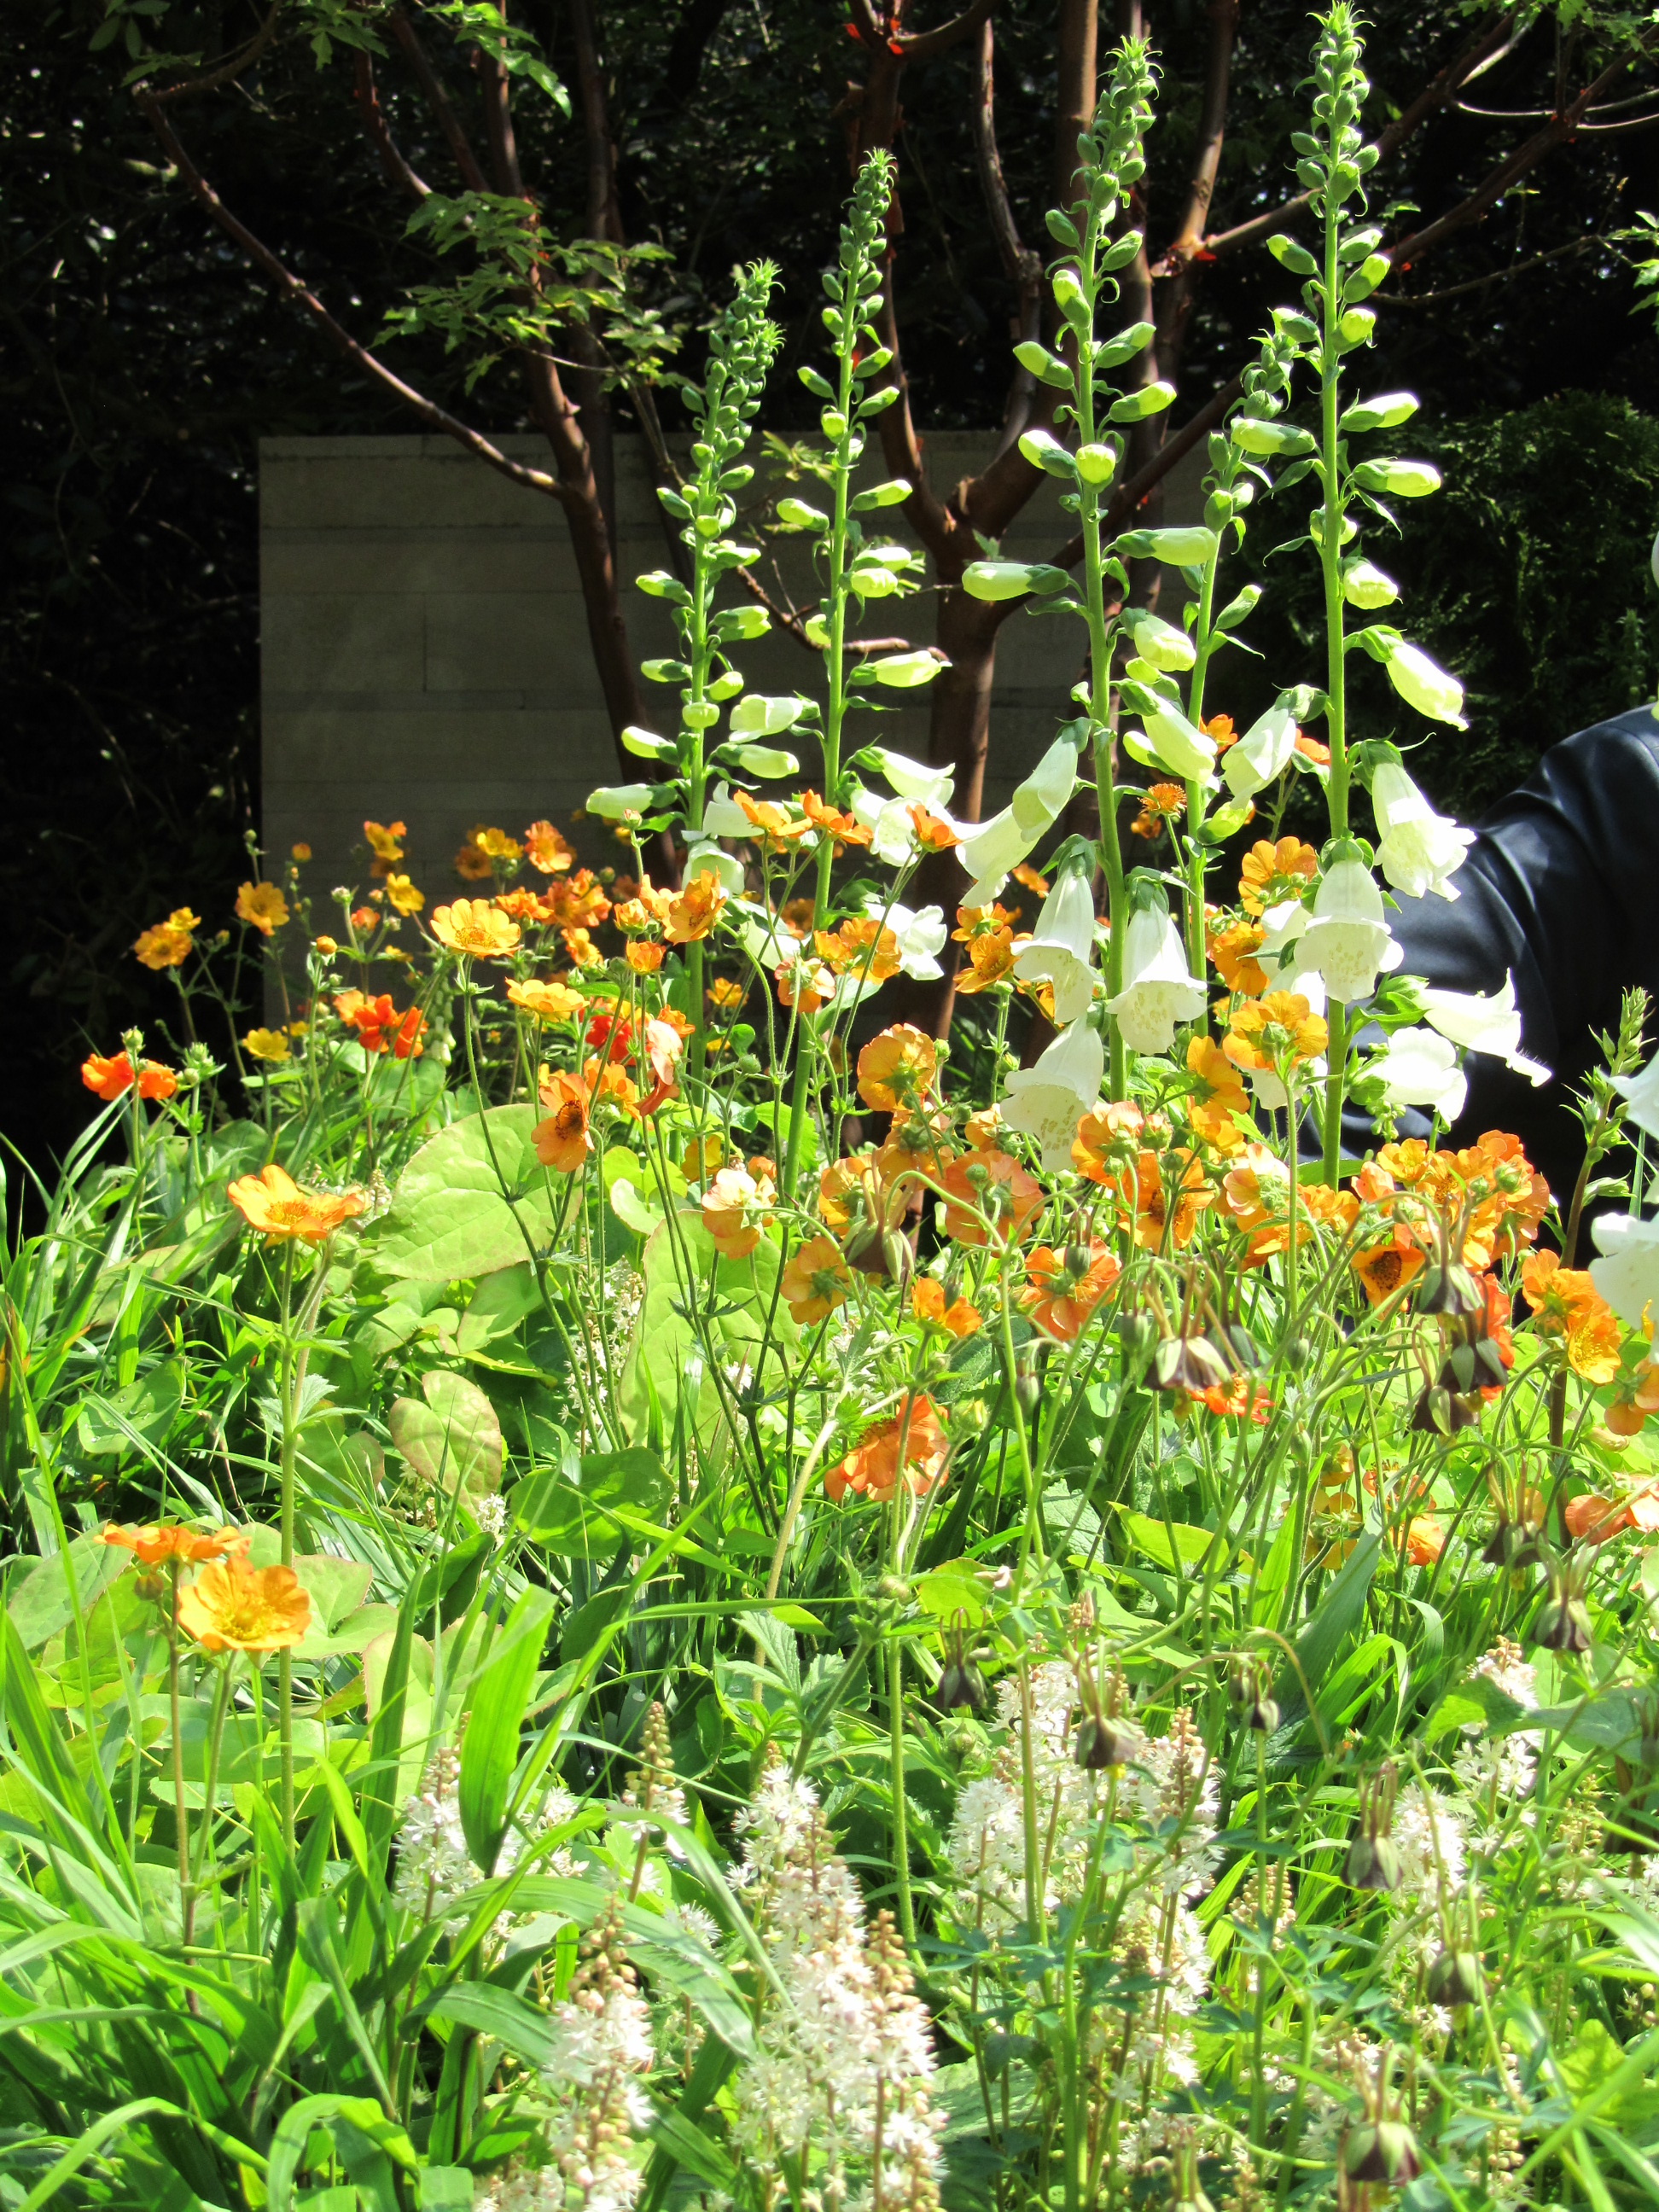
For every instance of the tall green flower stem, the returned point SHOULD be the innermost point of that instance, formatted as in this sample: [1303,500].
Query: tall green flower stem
[855,292]
[296,1357]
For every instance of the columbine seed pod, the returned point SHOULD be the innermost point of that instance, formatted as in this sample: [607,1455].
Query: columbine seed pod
[1449,1289]
[1455,1978]
[1382,2150]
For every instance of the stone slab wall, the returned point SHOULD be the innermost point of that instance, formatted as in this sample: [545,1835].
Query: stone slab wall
[424,652]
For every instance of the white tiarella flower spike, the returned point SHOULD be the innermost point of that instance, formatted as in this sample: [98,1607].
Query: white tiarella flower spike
[1159,990]
[920,934]
[1264,752]
[992,852]
[1047,1101]
[1347,940]
[1061,952]
[1484,1023]
[1420,850]
[1420,1068]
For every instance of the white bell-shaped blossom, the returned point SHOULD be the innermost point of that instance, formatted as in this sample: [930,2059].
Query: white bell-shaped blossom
[1640,1093]
[991,852]
[892,833]
[1049,1100]
[1061,952]
[1479,1022]
[1171,742]
[915,781]
[920,934]
[1348,941]
[1420,850]
[1265,751]
[1627,1273]
[1420,1068]
[1159,989]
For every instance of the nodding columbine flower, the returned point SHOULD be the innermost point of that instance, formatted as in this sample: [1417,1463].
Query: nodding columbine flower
[1373,1859]
[1562,1623]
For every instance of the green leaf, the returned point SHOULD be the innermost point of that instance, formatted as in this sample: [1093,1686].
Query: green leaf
[364,2139]
[1336,1618]
[145,1410]
[1192,1546]
[568,1513]
[688,2147]
[41,1605]
[454,1440]
[450,1217]
[501,1691]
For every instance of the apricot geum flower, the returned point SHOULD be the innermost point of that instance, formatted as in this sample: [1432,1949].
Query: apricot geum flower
[1233,949]
[1063,1288]
[232,1607]
[896,1069]
[927,1304]
[563,1141]
[1566,1304]
[1278,1031]
[989,1187]
[1218,1097]
[816,1280]
[112,1075]
[168,944]
[1156,1207]
[734,1212]
[829,822]
[263,907]
[551,1001]
[1108,1139]
[1271,873]
[913,1438]
[547,849]
[475,928]
[274,1204]
[693,912]
[384,841]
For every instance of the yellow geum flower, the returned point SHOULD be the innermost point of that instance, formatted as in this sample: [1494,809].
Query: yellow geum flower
[401,895]
[168,943]
[262,906]
[267,1044]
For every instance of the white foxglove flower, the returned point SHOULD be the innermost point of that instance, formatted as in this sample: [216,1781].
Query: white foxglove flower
[1420,1068]
[1641,1095]
[1157,642]
[1487,1024]
[612,802]
[1171,742]
[991,852]
[1420,681]
[1627,1274]
[1264,752]
[1420,849]
[703,858]
[915,781]
[1159,989]
[722,816]
[1348,941]
[892,833]
[920,934]
[1062,950]
[1047,1101]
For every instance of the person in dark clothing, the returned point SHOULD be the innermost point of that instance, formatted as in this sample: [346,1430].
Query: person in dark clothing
[1559,889]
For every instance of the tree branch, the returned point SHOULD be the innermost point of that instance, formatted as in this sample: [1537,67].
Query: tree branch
[437,100]
[302,297]
[397,171]
[1023,268]
[244,58]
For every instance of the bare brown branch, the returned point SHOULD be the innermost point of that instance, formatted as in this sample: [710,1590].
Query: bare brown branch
[396,169]
[437,98]
[225,71]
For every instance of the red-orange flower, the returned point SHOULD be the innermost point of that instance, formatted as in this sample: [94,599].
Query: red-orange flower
[1566,1302]
[109,1077]
[990,1184]
[161,1542]
[934,833]
[872,1470]
[1384,1269]
[380,1027]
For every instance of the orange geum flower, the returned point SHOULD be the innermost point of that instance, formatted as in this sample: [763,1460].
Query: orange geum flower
[695,909]
[1219,730]
[808,984]
[1275,872]
[1160,805]
[1265,1033]
[862,947]
[551,1001]
[872,1468]
[1233,950]
[581,903]
[231,1606]
[112,1075]
[476,928]
[563,1140]
[581,949]
[830,822]
[974,921]
[958,1319]
[401,895]
[816,1280]
[169,944]
[726,993]
[1566,1302]
[990,960]
[734,1212]
[1424,1539]
[161,1542]
[1219,1097]
[263,907]
[896,1069]
[607,1084]
[1033,878]
[853,1199]
[1311,750]
[1108,1137]
[1384,1269]
[1065,1287]
[301,852]
[774,821]
[547,849]
[271,1045]
[1145,1191]
[384,840]
[934,833]
[797,917]
[274,1204]
[643,958]
[993,1185]
[472,863]
[380,1027]
[1238,1396]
